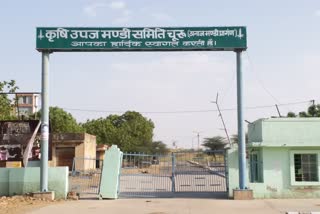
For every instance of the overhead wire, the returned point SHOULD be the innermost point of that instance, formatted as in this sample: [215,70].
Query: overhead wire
[187,111]
[278,103]
[229,88]
[259,80]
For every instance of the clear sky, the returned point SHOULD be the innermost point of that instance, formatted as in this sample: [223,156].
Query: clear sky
[281,65]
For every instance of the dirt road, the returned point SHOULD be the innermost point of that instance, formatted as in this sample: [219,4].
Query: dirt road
[182,206]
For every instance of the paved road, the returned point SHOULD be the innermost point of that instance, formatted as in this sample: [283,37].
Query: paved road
[182,206]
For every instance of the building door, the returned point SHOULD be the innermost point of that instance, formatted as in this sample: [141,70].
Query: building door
[64,156]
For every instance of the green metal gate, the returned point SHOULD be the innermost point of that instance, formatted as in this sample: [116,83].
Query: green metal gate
[194,174]
[85,177]
[144,175]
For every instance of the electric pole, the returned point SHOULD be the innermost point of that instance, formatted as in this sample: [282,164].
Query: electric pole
[198,141]
[198,136]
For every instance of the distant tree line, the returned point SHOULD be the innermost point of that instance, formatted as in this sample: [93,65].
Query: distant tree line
[312,111]
[219,142]
[130,131]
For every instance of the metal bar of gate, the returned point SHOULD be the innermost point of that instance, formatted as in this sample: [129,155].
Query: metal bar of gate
[85,177]
[226,170]
[173,172]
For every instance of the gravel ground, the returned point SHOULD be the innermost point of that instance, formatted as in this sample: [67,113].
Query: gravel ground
[22,204]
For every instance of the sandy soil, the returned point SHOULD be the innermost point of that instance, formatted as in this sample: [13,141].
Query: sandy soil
[22,204]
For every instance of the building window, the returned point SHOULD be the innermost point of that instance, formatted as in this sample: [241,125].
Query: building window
[306,167]
[256,172]
[25,100]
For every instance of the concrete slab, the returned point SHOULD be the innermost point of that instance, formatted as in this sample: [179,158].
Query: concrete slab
[245,194]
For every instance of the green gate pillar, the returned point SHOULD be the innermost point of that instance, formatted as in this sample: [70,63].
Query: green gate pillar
[109,187]
[241,132]
[44,123]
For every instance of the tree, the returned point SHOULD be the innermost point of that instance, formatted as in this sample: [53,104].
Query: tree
[291,114]
[130,131]
[215,143]
[234,139]
[102,128]
[158,147]
[304,114]
[6,104]
[62,121]
[312,111]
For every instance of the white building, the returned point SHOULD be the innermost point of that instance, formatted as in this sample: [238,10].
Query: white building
[27,104]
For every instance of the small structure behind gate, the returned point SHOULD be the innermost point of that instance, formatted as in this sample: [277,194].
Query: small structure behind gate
[201,173]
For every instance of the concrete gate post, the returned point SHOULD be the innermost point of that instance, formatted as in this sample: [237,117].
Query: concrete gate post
[109,187]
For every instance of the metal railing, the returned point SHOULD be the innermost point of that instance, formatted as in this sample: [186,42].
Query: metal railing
[146,175]
[157,175]
[200,172]
[85,177]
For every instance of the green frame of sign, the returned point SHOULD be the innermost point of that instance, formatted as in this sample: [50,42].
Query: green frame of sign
[51,39]
[71,39]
